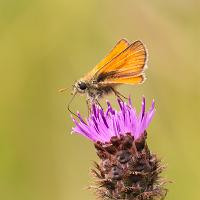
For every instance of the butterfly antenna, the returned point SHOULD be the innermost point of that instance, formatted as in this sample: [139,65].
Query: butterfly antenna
[68,106]
[62,89]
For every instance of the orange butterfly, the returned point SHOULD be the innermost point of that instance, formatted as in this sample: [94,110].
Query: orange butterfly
[125,64]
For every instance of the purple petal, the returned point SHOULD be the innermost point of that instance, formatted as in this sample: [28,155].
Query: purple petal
[102,125]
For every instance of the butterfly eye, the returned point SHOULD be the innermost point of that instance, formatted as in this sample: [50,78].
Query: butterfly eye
[82,85]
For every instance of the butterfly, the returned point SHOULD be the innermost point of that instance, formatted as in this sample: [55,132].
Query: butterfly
[125,64]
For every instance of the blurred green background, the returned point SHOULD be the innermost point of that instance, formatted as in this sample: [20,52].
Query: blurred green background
[46,45]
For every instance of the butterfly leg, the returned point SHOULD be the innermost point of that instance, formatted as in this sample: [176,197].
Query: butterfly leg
[88,102]
[166,191]
[118,94]
[97,102]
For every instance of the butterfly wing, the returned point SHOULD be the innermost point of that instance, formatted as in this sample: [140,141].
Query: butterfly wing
[132,80]
[118,48]
[127,67]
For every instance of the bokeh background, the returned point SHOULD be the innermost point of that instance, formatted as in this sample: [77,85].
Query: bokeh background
[46,45]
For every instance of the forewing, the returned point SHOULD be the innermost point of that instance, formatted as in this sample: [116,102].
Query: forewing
[127,67]
[118,48]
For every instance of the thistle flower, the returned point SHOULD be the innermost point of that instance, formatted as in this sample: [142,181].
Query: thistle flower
[127,169]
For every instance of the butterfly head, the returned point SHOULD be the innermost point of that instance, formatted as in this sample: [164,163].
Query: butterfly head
[80,86]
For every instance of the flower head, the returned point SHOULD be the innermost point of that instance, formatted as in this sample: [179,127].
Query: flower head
[127,169]
[103,125]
